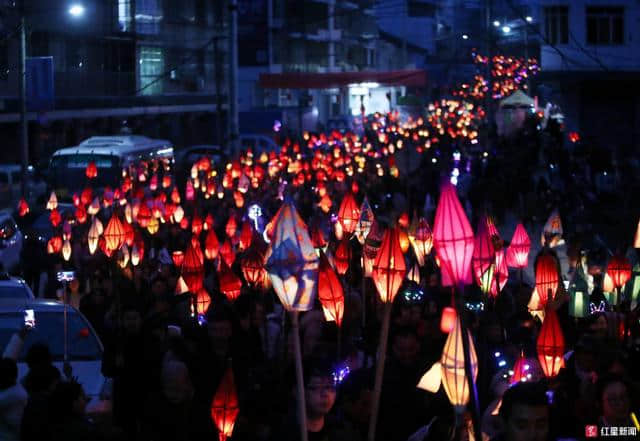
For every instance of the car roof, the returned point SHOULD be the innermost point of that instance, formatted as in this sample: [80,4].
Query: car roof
[12,281]
[39,305]
[112,145]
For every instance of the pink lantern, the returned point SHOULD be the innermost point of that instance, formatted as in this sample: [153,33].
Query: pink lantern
[453,239]
[518,251]
[484,258]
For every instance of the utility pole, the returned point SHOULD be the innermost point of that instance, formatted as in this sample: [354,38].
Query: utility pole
[24,135]
[233,76]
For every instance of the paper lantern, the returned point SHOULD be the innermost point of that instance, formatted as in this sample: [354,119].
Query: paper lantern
[518,251]
[448,319]
[178,214]
[521,370]
[81,214]
[208,222]
[292,262]
[230,284]
[252,265]
[203,301]
[123,256]
[231,227]
[343,256]
[178,258]
[153,184]
[546,277]
[349,213]
[389,267]
[246,235]
[579,294]
[619,269]
[453,239]
[114,234]
[182,288]
[92,237]
[450,370]
[414,274]
[190,192]
[144,215]
[403,220]
[193,267]
[364,221]
[403,240]
[153,226]
[107,197]
[52,203]
[550,344]
[483,260]
[317,238]
[421,239]
[166,181]
[94,207]
[211,245]
[54,246]
[135,255]
[371,246]
[87,195]
[66,250]
[224,408]
[330,292]
[196,224]
[55,218]
[23,207]
[227,253]
[552,231]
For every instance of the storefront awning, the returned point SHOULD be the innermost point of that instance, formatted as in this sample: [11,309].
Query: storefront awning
[303,80]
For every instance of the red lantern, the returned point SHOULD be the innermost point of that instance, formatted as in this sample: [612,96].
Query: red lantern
[518,251]
[208,222]
[224,408]
[403,220]
[230,284]
[246,234]
[211,245]
[153,184]
[453,239]
[203,301]
[550,344]
[330,292]
[317,237]
[144,215]
[252,265]
[619,269]
[92,170]
[448,319]
[175,195]
[227,253]
[343,256]
[349,213]
[389,267]
[193,267]
[55,217]
[521,370]
[546,277]
[483,260]
[81,214]
[86,196]
[421,239]
[232,227]
[166,181]
[23,207]
[196,224]
[54,245]
[190,192]
[178,258]
[114,234]
[129,234]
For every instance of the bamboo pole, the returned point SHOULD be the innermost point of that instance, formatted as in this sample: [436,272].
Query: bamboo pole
[384,335]
[302,409]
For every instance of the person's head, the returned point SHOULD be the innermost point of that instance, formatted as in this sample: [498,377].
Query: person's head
[614,395]
[356,393]
[8,373]
[176,383]
[38,355]
[405,346]
[319,386]
[68,399]
[525,412]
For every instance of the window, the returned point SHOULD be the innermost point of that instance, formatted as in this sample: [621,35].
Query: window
[151,68]
[556,24]
[124,15]
[605,25]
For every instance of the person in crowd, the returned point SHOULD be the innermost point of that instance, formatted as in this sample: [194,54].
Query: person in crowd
[69,421]
[614,396]
[13,399]
[525,413]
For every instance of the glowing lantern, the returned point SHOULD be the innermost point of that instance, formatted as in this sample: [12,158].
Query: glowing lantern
[190,192]
[55,217]
[192,267]
[196,225]
[292,262]
[178,258]
[230,284]
[421,239]
[232,227]
[371,246]
[227,253]
[123,256]
[178,214]
[92,237]
[224,408]
[330,292]
[550,344]
[208,222]
[86,196]
[175,196]
[52,203]
[153,184]
[129,234]
[448,319]
[144,215]
[343,256]
[211,245]
[23,207]
[619,269]
[181,287]
[94,207]
[135,255]
[518,251]
[114,234]
[403,240]
[166,181]
[364,222]
[483,260]
[521,370]
[453,239]
[252,265]
[348,214]
[54,245]
[450,370]
[546,277]
[66,250]
[81,215]
[153,226]
[414,274]
[403,220]
[389,267]
[246,235]
[92,170]
[203,301]
[552,231]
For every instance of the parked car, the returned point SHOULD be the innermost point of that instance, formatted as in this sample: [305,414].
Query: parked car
[11,185]
[14,288]
[84,349]
[10,242]
[258,143]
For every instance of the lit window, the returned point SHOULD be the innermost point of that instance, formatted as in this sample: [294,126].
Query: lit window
[151,68]
[124,15]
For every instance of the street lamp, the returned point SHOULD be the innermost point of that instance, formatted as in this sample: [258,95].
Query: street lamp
[529,18]
[465,37]
[76,10]
[496,23]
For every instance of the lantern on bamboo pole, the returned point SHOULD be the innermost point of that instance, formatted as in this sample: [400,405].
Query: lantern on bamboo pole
[550,344]
[348,214]
[483,260]
[330,292]
[421,239]
[546,277]
[224,408]
[518,250]
[364,221]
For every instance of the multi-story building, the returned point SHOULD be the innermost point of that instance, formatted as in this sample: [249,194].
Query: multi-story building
[159,65]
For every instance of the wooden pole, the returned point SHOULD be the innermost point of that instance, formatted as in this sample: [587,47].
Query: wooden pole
[339,353]
[302,408]
[364,298]
[382,347]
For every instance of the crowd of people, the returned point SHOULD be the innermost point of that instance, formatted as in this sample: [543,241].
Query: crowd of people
[166,361]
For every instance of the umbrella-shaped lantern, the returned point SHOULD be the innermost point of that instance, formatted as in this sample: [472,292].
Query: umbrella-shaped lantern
[330,292]
[224,408]
[550,344]
[518,251]
[450,370]
[453,239]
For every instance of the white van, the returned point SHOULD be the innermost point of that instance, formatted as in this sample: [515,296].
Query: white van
[110,154]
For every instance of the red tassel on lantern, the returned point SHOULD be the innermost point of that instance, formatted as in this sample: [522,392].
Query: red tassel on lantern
[550,344]
[389,267]
[330,292]
[224,408]
[453,239]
